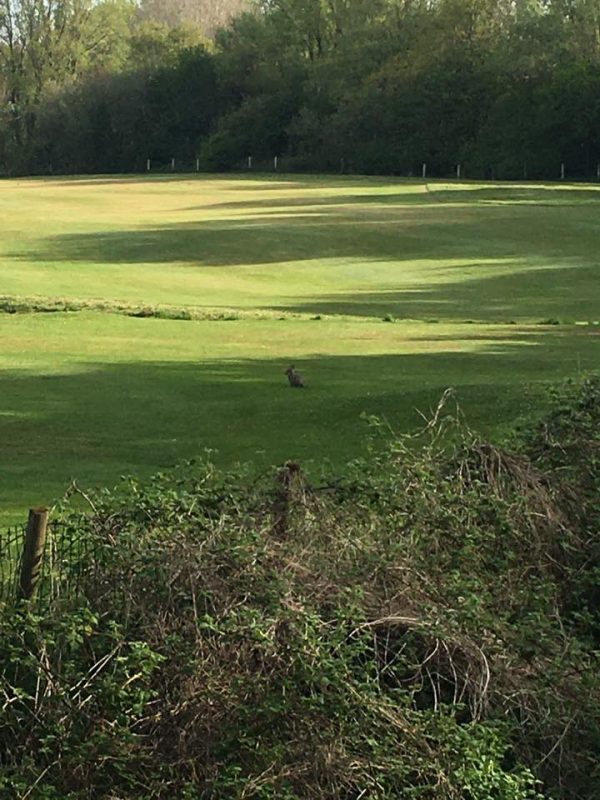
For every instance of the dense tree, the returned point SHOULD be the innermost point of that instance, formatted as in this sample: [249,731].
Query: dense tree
[154,45]
[208,15]
[47,44]
[507,88]
[53,41]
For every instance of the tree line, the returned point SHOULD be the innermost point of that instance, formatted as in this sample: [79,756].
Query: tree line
[506,88]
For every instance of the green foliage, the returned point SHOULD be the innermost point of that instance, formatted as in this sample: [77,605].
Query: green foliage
[73,687]
[412,628]
[506,90]
[155,46]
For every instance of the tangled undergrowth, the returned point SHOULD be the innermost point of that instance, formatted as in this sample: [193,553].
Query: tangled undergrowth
[425,627]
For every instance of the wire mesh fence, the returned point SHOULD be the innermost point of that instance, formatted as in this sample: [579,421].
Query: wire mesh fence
[68,560]
[11,551]
[96,556]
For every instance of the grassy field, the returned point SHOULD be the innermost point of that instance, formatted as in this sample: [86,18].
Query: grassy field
[468,272]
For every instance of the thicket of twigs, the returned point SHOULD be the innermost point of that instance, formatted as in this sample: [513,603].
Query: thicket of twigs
[428,626]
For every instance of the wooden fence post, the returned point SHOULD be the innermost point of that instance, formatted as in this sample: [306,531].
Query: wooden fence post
[33,553]
[286,478]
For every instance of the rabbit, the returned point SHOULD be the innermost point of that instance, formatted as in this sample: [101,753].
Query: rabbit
[296,380]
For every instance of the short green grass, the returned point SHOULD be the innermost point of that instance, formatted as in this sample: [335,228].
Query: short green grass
[465,271]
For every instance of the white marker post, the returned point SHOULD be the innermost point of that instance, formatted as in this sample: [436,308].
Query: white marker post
[197,165]
[458,171]
[562,172]
[424,171]
[249,162]
[148,165]
[172,165]
[275,162]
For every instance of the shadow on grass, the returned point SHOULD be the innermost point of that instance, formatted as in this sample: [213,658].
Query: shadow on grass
[429,194]
[247,182]
[332,200]
[334,227]
[543,195]
[138,418]
[567,294]
[477,261]
[436,233]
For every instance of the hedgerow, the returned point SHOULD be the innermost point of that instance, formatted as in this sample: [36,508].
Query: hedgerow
[424,626]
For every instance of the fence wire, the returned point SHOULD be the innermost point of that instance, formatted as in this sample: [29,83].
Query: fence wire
[11,551]
[68,560]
